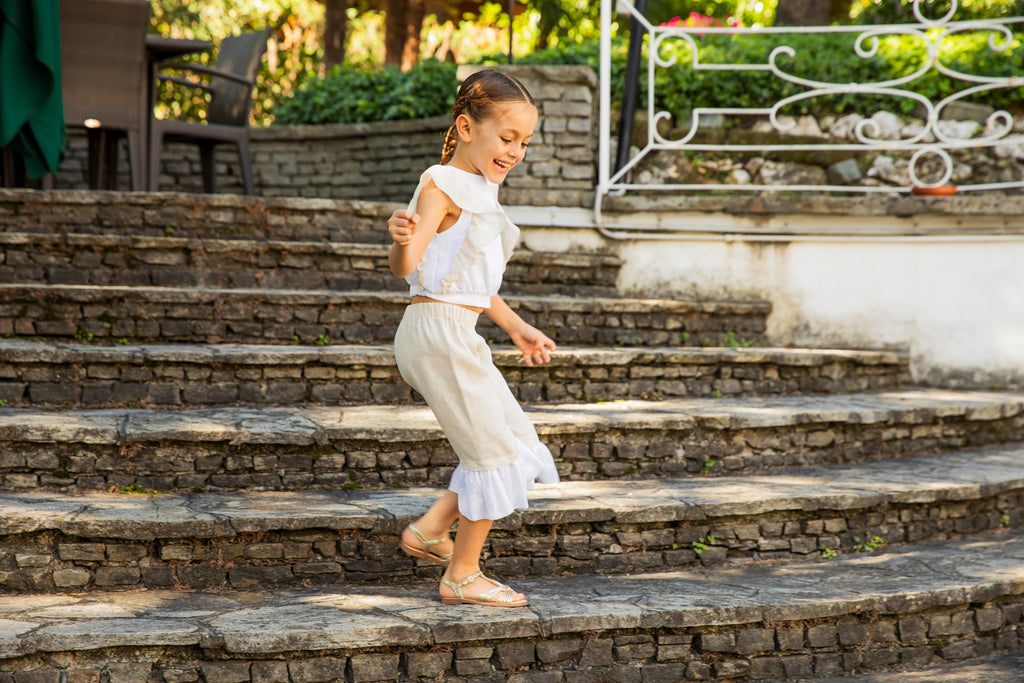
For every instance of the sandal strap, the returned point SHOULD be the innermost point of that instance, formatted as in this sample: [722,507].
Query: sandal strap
[457,587]
[427,542]
[499,594]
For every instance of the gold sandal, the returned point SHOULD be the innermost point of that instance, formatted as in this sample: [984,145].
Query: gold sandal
[424,552]
[499,596]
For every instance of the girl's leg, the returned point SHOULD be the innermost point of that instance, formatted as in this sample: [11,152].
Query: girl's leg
[436,523]
[469,544]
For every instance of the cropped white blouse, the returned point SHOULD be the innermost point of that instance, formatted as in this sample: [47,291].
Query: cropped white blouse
[464,264]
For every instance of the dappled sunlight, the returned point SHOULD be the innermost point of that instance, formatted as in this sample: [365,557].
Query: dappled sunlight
[364,599]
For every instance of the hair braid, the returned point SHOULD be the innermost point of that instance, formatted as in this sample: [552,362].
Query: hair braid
[449,145]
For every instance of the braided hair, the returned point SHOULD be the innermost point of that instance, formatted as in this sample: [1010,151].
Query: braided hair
[476,99]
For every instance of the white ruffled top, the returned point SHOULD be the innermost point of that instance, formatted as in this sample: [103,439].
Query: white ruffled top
[465,263]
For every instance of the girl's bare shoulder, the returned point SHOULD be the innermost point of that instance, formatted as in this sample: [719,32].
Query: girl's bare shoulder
[432,196]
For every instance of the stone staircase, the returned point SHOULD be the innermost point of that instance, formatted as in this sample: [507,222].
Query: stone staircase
[207,455]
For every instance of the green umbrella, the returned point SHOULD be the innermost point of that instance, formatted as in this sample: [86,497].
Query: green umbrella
[31,109]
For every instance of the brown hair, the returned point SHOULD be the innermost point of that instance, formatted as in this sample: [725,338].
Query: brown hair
[476,99]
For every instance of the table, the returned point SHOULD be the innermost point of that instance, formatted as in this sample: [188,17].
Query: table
[159,49]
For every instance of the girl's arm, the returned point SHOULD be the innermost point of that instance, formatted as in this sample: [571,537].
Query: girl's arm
[411,240]
[535,346]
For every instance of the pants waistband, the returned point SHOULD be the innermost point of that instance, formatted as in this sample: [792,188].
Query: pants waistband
[429,309]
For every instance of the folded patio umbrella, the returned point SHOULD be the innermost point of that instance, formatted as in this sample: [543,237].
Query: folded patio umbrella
[31,109]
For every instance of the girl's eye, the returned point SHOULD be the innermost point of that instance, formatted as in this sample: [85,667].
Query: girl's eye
[506,140]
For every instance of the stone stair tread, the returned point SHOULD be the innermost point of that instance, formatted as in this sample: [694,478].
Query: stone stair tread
[951,476]
[573,259]
[1001,668]
[18,350]
[259,624]
[404,423]
[85,293]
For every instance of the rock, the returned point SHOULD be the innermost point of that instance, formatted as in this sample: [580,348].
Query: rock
[826,121]
[968,111]
[962,172]
[763,127]
[1010,151]
[895,172]
[844,172]
[665,166]
[805,126]
[783,173]
[958,130]
[889,126]
[845,126]
[712,121]
[915,128]
[753,165]
[739,176]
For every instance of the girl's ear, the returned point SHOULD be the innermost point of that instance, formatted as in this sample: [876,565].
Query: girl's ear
[464,127]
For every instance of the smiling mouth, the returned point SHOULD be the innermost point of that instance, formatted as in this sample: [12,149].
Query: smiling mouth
[503,165]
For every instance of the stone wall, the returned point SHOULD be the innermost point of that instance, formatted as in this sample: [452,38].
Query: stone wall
[382,161]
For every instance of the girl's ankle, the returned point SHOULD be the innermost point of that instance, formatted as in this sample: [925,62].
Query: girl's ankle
[455,575]
[428,530]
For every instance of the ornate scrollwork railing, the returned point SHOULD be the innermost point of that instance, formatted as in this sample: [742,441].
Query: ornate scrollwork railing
[933,139]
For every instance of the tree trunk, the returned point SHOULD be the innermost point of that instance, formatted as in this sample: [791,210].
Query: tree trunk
[335,28]
[414,16]
[403,23]
[809,12]
[394,30]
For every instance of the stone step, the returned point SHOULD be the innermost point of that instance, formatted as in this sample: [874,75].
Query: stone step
[134,260]
[273,448]
[223,374]
[167,314]
[52,541]
[910,608]
[181,214]
[996,668]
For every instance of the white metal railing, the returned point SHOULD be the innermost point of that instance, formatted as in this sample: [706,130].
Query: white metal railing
[930,141]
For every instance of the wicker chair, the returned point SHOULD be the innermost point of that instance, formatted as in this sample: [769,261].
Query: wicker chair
[227,114]
[103,81]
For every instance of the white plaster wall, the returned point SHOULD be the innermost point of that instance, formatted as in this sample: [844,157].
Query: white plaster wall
[956,304]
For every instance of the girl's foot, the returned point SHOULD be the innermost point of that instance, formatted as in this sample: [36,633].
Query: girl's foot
[477,589]
[438,550]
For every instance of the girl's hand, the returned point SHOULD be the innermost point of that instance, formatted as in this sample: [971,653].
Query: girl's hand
[402,225]
[536,346]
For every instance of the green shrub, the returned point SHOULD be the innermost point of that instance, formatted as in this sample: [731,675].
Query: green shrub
[349,94]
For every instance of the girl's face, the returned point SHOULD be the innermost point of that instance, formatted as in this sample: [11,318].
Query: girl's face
[491,147]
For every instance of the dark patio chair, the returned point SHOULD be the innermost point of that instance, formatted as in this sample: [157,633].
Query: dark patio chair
[103,81]
[227,114]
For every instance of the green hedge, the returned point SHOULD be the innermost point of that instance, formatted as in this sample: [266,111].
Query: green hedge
[348,94]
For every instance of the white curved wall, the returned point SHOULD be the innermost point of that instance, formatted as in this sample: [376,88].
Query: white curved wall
[956,303]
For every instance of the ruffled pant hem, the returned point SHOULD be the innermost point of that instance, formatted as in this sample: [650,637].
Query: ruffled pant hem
[497,493]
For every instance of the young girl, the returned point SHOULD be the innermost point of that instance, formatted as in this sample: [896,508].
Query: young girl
[452,246]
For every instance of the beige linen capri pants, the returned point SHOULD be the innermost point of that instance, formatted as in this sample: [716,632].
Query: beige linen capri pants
[440,354]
